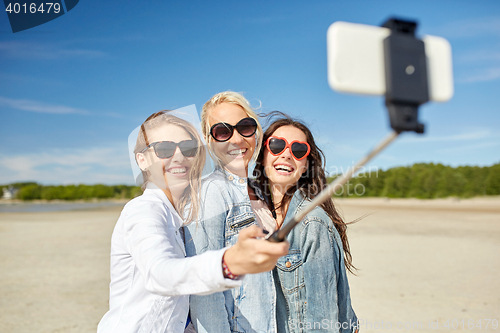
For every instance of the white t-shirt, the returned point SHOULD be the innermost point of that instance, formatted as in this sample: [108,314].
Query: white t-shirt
[150,276]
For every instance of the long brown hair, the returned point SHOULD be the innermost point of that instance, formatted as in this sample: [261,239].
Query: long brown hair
[310,184]
[191,193]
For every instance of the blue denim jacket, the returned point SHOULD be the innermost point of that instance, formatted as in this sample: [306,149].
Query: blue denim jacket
[226,209]
[311,281]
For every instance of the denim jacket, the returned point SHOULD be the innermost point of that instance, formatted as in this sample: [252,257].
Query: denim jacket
[225,210]
[311,281]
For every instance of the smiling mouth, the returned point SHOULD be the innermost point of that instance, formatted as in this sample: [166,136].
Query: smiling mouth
[177,170]
[237,152]
[283,169]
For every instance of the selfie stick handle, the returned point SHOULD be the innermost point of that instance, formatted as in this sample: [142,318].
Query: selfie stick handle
[280,234]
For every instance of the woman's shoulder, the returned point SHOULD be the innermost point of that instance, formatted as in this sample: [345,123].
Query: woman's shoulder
[215,177]
[318,221]
[219,182]
[213,183]
[318,214]
[147,205]
[148,197]
[322,220]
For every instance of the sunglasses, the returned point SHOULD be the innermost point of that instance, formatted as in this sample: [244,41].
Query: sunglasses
[166,149]
[277,146]
[222,132]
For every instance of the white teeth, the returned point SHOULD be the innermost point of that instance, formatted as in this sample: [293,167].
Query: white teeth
[283,167]
[236,152]
[178,170]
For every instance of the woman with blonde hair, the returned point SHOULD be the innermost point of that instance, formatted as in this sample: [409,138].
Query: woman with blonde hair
[150,276]
[229,204]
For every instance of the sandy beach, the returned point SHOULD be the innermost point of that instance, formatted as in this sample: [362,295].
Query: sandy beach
[422,263]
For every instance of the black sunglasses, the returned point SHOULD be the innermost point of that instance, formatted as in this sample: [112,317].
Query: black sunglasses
[223,131]
[166,149]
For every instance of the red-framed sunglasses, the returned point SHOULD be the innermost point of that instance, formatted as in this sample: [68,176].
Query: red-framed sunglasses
[277,146]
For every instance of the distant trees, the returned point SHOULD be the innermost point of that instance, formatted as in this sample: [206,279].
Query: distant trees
[425,181]
[422,180]
[34,191]
[493,180]
[30,192]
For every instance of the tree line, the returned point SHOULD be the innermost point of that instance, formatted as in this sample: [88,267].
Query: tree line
[34,191]
[425,181]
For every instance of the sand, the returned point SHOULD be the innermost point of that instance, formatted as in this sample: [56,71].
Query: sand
[54,273]
[422,262]
[425,264]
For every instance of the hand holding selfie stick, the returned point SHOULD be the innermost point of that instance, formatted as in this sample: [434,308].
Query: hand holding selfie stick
[406,88]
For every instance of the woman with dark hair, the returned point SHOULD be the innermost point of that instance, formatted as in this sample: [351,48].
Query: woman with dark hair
[311,281]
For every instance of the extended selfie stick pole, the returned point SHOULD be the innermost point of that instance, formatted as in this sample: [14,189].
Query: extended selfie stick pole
[406,90]
[279,235]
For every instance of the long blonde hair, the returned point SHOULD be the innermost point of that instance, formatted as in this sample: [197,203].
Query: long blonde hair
[235,98]
[191,193]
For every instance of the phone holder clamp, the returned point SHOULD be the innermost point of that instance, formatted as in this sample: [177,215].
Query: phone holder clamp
[405,75]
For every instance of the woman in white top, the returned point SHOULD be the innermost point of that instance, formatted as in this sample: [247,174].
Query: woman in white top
[150,276]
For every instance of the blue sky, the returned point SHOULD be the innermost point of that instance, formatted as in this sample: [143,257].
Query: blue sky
[72,90]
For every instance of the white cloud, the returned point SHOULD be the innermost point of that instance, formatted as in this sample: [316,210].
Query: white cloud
[36,106]
[490,74]
[482,26]
[479,56]
[34,50]
[480,134]
[28,79]
[109,165]
[478,146]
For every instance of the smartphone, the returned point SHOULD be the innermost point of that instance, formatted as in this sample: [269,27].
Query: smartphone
[356,65]
[356,61]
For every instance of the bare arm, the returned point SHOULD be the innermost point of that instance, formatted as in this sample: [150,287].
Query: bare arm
[252,254]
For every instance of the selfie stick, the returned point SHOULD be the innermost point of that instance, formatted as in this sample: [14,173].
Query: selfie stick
[406,90]
[280,234]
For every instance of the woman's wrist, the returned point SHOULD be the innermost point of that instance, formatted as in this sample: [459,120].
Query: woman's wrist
[226,271]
